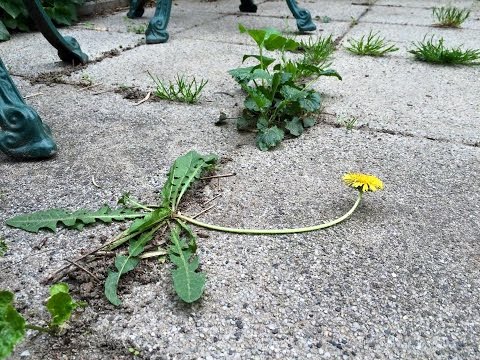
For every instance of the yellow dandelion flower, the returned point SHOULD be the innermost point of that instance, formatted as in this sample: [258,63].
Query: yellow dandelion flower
[363,182]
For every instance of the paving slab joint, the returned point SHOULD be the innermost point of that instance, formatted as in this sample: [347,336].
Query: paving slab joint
[369,129]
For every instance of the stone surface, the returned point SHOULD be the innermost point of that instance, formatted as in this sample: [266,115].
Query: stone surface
[403,95]
[398,279]
[180,20]
[228,27]
[339,10]
[42,57]
[202,59]
[409,16]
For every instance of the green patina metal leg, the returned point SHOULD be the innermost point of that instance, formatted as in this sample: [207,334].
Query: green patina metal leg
[304,19]
[22,133]
[247,6]
[157,28]
[137,8]
[68,48]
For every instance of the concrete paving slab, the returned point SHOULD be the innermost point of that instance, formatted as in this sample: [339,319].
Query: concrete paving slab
[228,27]
[425,3]
[408,16]
[180,20]
[339,10]
[404,95]
[404,35]
[202,59]
[70,111]
[31,54]
[370,286]
[396,280]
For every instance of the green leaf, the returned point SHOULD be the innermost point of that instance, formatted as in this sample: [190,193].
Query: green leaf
[292,94]
[309,122]
[266,61]
[124,264]
[294,126]
[60,304]
[278,42]
[12,8]
[258,35]
[183,173]
[187,281]
[150,219]
[242,75]
[330,72]
[269,138]
[4,34]
[59,288]
[256,100]
[262,123]
[49,219]
[311,102]
[12,325]
[261,74]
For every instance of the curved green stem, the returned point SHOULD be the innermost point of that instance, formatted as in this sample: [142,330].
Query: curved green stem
[271,231]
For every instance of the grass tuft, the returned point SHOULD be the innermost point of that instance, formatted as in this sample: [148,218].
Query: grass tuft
[319,52]
[371,45]
[436,52]
[450,16]
[181,89]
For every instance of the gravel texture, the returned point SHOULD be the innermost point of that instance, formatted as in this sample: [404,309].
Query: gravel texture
[398,280]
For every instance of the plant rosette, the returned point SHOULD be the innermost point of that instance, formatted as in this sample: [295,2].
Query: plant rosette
[152,221]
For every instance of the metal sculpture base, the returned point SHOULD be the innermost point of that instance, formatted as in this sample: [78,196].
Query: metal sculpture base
[303,16]
[68,48]
[157,28]
[22,133]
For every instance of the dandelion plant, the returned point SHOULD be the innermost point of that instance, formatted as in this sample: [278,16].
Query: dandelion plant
[151,221]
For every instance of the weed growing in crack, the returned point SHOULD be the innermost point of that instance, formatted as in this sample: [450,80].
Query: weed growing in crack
[280,99]
[181,89]
[137,29]
[435,52]
[13,326]
[3,246]
[371,45]
[450,16]
[87,80]
[349,123]
[151,222]
[318,52]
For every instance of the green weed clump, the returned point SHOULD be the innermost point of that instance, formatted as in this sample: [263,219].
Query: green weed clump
[280,100]
[435,52]
[450,16]
[13,326]
[318,52]
[181,89]
[370,45]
